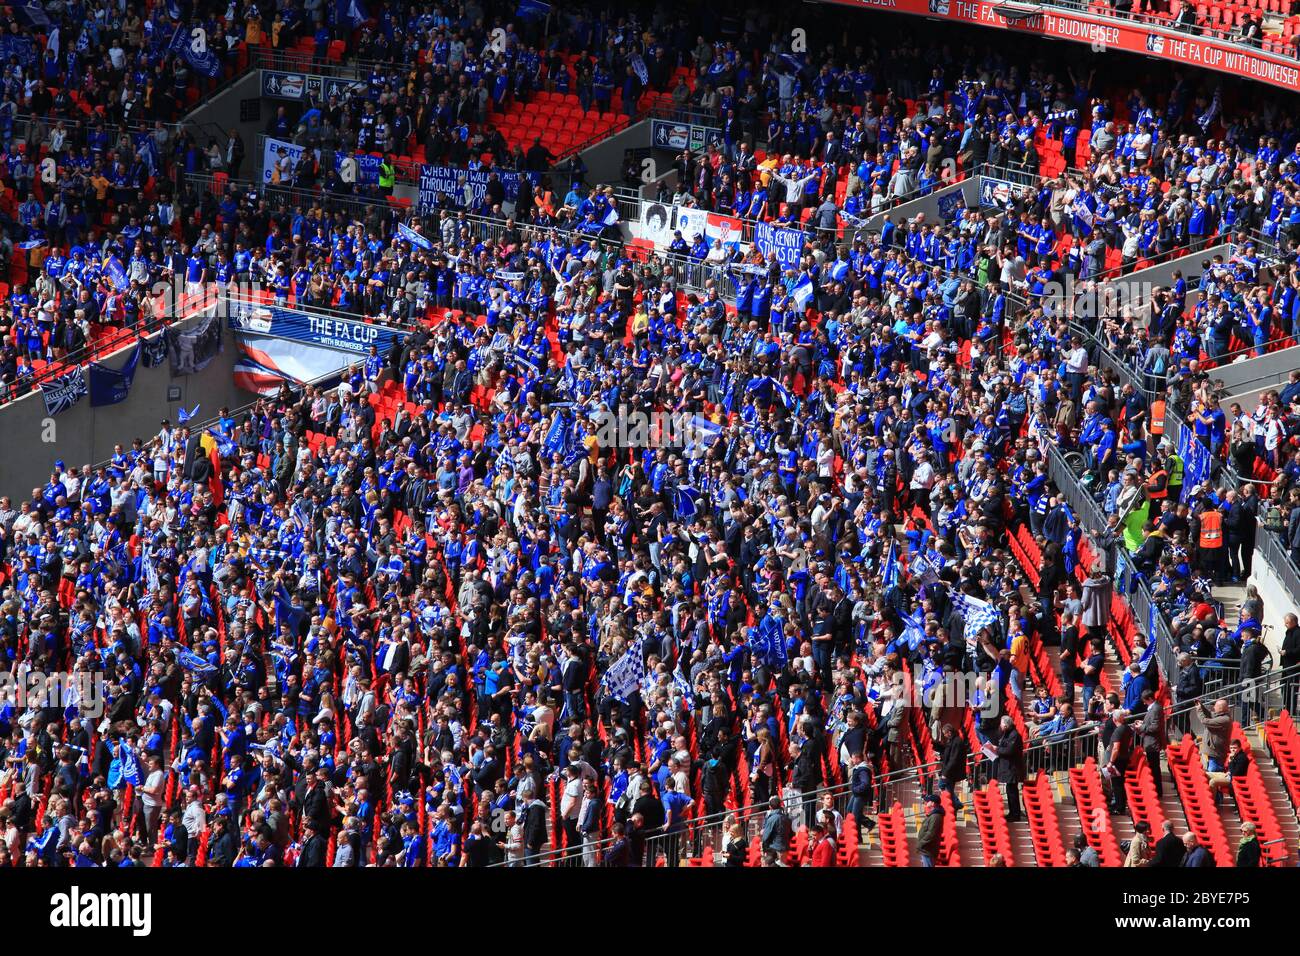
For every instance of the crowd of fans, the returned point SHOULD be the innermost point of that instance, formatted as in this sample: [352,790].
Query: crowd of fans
[435,616]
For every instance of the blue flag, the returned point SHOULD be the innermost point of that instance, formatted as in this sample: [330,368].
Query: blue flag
[890,571]
[684,500]
[802,292]
[109,386]
[116,273]
[413,237]
[913,628]
[767,642]
[193,662]
[532,10]
[202,60]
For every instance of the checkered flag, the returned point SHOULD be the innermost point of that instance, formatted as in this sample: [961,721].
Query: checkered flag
[976,613]
[625,674]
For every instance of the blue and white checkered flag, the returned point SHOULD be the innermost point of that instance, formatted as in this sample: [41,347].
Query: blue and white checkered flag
[625,674]
[684,688]
[976,613]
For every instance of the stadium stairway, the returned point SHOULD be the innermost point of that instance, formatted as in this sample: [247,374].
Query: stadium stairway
[1275,788]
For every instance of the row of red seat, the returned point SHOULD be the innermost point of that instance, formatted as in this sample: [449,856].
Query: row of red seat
[1254,804]
[1044,824]
[1198,802]
[1090,799]
[891,827]
[990,814]
[1283,742]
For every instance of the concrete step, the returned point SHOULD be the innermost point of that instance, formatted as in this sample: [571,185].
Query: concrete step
[1022,845]
[970,844]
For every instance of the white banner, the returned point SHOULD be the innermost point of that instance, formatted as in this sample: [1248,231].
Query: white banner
[658,220]
[279,160]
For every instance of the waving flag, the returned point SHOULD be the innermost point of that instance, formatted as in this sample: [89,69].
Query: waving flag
[976,613]
[532,10]
[684,688]
[413,237]
[923,570]
[702,433]
[201,59]
[116,273]
[639,68]
[802,292]
[350,11]
[684,501]
[625,675]
[128,766]
[767,642]
[193,662]
[1149,651]
[913,628]
[889,574]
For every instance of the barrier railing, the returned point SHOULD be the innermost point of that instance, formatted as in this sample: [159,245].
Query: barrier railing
[1164,23]
[1250,702]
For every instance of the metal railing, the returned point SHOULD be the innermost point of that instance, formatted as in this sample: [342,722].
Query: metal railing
[1250,702]
[1269,546]
[1205,30]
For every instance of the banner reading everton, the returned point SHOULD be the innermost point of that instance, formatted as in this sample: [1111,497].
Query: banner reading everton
[193,349]
[451,181]
[785,244]
[107,386]
[272,150]
[328,332]
[62,393]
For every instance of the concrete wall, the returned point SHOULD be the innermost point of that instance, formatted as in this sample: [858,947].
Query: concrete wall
[605,159]
[1277,601]
[223,111]
[1251,376]
[969,189]
[86,435]
[1162,274]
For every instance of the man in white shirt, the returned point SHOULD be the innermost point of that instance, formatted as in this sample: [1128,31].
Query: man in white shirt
[1076,367]
[151,796]
[514,840]
[570,804]
[195,820]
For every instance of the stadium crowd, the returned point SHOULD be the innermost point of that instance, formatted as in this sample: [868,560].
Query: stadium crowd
[434,616]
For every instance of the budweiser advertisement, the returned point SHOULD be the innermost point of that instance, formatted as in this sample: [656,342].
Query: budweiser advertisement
[1103,33]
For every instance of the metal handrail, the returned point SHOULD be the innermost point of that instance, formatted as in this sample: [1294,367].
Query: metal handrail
[1161,23]
[1252,698]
